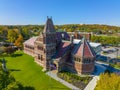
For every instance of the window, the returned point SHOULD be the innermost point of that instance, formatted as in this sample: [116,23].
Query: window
[44,51]
[87,60]
[41,57]
[40,47]
[79,59]
[38,56]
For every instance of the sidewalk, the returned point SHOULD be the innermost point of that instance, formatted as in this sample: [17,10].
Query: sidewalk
[54,76]
[92,84]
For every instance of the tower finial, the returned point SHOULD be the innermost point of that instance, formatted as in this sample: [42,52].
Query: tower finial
[51,17]
[47,17]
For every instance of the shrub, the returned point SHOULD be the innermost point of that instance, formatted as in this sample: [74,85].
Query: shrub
[74,79]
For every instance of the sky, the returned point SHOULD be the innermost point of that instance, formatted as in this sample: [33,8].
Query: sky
[24,12]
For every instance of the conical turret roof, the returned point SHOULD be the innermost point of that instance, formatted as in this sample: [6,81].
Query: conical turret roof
[83,49]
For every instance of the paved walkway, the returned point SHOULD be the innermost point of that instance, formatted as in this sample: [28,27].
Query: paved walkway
[92,84]
[54,76]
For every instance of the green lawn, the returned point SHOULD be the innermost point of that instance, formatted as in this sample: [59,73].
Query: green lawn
[27,72]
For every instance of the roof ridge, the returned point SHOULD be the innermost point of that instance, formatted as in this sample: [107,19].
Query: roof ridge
[89,48]
[83,46]
[83,49]
[77,47]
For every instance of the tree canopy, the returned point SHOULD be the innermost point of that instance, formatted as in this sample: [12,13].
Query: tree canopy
[15,33]
[112,40]
[108,82]
[19,41]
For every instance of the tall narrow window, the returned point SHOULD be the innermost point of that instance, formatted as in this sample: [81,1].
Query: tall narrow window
[79,60]
[39,56]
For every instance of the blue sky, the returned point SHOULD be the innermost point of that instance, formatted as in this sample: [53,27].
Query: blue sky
[62,11]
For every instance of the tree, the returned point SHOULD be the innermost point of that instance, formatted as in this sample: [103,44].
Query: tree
[12,36]
[108,82]
[13,86]
[7,82]
[19,41]
[2,49]
[26,33]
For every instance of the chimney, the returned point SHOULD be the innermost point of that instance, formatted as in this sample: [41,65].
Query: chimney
[63,36]
[71,39]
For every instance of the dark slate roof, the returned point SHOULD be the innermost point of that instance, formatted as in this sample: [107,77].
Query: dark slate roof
[59,35]
[63,47]
[83,49]
[30,41]
[49,27]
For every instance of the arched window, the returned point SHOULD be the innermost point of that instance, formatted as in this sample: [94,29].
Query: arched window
[79,60]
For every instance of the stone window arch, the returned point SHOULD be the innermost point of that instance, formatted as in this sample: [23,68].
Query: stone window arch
[79,60]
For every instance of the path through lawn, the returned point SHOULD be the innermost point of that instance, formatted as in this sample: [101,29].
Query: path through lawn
[26,71]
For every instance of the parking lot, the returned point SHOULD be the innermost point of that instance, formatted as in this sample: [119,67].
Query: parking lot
[109,54]
[112,52]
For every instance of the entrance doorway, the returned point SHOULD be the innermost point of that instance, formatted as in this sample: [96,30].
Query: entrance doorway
[53,66]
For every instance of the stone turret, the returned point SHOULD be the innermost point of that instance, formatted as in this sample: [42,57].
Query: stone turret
[49,38]
[84,57]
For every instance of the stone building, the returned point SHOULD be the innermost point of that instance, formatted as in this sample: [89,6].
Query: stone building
[54,50]
[79,35]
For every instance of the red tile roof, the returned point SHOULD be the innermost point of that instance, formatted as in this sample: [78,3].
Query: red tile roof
[64,46]
[83,49]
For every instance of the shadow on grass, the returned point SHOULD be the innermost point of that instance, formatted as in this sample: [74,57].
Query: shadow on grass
[16,55]
[14,70]
[10,55]
[28,88]
[58,88]
[25,87]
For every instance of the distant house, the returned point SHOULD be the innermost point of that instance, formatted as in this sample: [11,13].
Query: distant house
[56,50]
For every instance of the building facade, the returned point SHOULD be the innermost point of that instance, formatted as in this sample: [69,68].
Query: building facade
[56,51]
[79,35]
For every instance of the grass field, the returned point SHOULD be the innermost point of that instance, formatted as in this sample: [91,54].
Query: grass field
[28,73]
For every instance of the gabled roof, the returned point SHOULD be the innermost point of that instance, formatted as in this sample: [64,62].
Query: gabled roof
[30,41]
[83,49]
[63,47]
[49,27]
[60,35]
